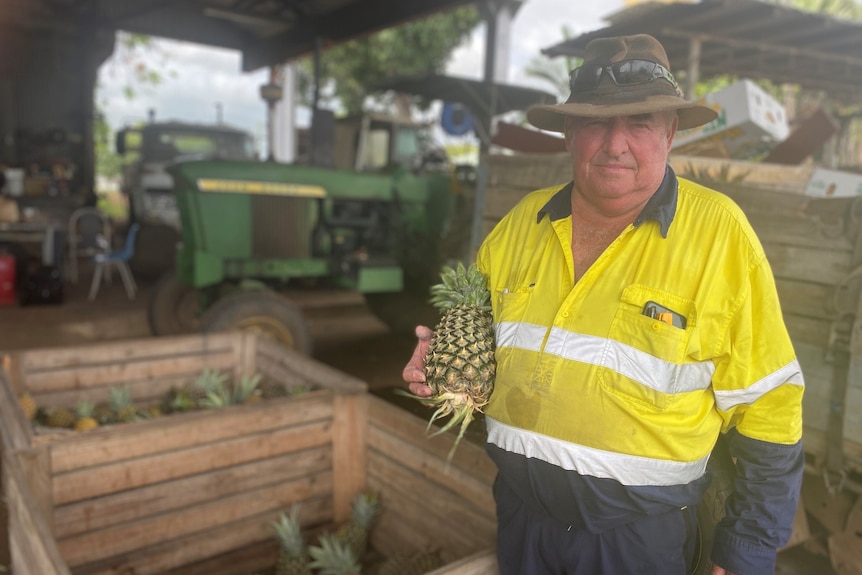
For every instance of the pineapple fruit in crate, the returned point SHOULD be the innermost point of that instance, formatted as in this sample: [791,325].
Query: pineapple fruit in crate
[28,406]
[86,421]
[60,417]
[293,558]
[460,365]
[364,509]
[333,557]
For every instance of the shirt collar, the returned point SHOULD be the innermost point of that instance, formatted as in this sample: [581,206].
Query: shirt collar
[661,207]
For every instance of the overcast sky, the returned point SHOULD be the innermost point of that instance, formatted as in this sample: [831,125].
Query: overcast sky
[198,78]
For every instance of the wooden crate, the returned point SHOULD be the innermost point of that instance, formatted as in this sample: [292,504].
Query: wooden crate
[195,493]
[155,495]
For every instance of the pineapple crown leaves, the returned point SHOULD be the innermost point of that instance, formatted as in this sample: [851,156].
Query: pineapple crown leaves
[461,286]
[85,408]
[289,533]
[210,379]
[120,397]
[365,507]
[246,387]
[217,398]
[333,557]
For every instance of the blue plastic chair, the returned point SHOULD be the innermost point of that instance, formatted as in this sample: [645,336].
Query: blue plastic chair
[118,259]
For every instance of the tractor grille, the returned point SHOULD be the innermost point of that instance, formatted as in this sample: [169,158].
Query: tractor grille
[282,226]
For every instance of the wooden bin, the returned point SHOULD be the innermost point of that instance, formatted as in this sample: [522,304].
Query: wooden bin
[195,493]
[155,495]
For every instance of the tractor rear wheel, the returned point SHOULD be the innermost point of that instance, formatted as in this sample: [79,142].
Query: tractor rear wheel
[174,308]
[263,312]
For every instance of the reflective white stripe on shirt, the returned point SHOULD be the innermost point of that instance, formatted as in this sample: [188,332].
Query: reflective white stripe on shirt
[790,374]
[627,469]
[520,335]
[648,370]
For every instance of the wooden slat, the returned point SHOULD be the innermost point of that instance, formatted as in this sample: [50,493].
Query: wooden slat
[102,353]
[15,431]
[131,474]
[349,441]
[433,513]
[480,563]
[125,506]
[119,372]
[173,554]
[319,373]
[476,491]
[397,421]
[34,550]
[807,330]
[144,392]
[125,538]
[250,559]
[807,264]
[179,431]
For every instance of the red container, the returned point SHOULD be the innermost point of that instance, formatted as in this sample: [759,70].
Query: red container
[7,279]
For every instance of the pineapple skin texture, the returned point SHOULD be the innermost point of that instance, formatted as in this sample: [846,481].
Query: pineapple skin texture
[460,356]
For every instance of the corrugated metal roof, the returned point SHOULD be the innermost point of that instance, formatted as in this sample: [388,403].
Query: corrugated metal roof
[266,31]
[746,38]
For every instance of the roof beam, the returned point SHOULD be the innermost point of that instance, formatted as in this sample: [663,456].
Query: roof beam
[349,22]
[765,47]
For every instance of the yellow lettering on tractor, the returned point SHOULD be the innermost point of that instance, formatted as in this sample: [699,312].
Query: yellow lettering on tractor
[256,187]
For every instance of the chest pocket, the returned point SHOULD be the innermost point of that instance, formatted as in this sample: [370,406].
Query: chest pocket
[643,355]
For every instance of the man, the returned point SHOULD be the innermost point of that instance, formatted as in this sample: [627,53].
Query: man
[637,320]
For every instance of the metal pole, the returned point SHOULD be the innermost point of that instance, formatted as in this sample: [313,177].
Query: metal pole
[692,75]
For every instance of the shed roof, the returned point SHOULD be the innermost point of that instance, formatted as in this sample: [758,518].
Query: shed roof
[746,38]
[265,31]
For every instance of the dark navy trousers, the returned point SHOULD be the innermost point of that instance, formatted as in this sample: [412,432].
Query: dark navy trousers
[532,543]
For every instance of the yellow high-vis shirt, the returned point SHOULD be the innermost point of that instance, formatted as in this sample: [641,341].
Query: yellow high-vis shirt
[631,373]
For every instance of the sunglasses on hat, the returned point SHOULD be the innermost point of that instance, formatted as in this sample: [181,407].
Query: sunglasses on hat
[623,73]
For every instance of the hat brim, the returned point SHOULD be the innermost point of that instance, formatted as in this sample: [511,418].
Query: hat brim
[551,117]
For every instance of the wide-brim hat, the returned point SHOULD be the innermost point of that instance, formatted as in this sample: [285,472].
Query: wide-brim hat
[609,97]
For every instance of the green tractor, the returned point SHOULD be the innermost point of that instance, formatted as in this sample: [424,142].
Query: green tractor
[249,230]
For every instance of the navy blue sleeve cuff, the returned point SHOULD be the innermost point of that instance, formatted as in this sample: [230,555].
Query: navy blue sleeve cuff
[740,556]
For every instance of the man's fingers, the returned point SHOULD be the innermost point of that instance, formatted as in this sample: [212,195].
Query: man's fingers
[414,371]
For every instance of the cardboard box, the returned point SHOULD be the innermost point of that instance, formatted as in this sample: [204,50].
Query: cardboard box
[750,123]
[833,184]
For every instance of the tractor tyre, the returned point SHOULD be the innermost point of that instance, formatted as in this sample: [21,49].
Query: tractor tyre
[263,312]
[403,311]
[711,508]
[175,308]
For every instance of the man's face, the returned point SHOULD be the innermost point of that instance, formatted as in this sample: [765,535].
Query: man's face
[619,162]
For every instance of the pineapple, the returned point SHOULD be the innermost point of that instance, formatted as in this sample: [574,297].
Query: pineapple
[411,564]
[332,557]
[60,417]
[218,396]
[28,405]
[85,421]
[270,389]
[293,556]
[121,404]
[103,413]
[365,508]
[246,391]
[209,380]
[460,365]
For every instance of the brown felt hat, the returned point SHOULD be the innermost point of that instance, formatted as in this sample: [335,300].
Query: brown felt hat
[619,78]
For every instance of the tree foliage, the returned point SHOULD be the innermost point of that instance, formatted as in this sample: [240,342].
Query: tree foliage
[415,48]
[140,64]
[554,72]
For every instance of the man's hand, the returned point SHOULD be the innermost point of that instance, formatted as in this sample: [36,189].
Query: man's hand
[414,371]
[716,570]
